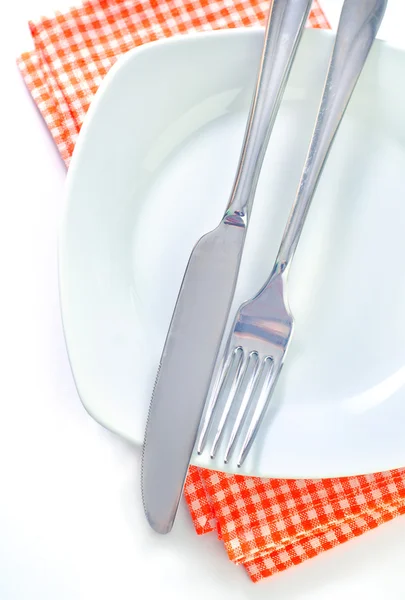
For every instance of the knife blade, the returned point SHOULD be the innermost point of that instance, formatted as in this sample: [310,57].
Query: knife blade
[182,384]
[204,301]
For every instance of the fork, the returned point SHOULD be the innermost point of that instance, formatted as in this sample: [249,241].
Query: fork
[263,326]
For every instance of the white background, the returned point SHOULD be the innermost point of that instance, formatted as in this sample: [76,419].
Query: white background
[71,520]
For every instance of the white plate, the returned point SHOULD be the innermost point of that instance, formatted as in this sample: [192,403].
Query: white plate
[151,173]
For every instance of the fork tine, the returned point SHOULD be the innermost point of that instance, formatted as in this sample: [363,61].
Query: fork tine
[244,404]
[241,370]
[261,407]
[223,371]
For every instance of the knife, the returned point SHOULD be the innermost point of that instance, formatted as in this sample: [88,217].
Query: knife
[206,293]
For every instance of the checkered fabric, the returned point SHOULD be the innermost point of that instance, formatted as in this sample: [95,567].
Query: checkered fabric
[266,525]
[269,525]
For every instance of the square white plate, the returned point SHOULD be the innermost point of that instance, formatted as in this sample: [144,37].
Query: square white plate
[159,146]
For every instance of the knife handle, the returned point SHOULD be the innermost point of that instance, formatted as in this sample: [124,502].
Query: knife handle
[284,29]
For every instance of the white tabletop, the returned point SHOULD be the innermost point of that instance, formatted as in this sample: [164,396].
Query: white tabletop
[71,519]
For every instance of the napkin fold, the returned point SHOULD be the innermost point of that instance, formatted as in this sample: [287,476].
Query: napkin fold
[266,525]
[269,525]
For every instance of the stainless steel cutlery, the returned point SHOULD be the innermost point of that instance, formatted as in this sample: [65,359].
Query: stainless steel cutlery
[263,326]
[206,293]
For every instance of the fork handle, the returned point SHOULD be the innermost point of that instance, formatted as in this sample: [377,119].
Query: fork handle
[285,25]
[358,27]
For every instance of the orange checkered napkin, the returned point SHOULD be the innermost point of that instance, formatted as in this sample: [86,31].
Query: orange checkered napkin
[269,525]
[266,525]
